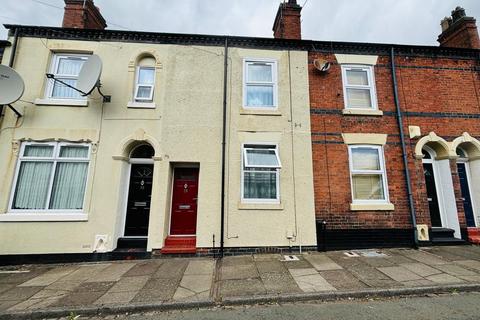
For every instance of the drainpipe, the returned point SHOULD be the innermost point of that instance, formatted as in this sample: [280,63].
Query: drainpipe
[404,149]
[12,58]
[224,135]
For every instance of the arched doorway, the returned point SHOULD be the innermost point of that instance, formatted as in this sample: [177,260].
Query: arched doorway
[465,186]
[140,181]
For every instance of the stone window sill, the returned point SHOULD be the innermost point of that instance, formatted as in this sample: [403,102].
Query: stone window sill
[358,112]
[141,105]
[372,207]
[62,102]
[260,206]
[260,112]
[42,217]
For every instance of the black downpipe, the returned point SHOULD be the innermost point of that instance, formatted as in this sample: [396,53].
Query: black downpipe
[224,135]
[404,149]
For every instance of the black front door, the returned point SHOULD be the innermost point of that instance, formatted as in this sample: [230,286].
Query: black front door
[467,199]
[139,196]
[432,195]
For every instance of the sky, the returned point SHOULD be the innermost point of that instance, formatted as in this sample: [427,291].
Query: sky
[380,21]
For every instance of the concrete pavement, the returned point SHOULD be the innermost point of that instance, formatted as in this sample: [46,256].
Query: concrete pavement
[184,281]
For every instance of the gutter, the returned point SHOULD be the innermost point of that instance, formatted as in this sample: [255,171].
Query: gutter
[224,135]
[404,149]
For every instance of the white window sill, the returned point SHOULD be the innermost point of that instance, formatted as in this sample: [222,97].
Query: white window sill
[362,112]
[141,105]
[260,206]
[372,207]
[62,102]
[50,217]
[261,111]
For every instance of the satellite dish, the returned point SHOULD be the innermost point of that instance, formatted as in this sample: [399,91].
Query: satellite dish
[11,85]
[321,65]
[89,76]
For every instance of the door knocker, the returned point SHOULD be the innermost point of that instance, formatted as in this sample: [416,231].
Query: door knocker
[185,188]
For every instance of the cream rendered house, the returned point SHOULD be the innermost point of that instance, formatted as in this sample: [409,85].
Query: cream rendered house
[144,171]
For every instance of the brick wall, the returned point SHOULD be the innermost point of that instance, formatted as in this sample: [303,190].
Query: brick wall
[437,94]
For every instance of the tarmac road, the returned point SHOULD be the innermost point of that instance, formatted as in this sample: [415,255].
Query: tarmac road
[438,307]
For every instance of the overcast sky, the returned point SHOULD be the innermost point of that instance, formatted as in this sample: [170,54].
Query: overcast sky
[385,21]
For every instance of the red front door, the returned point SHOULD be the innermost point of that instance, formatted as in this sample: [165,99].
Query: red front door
[184,202]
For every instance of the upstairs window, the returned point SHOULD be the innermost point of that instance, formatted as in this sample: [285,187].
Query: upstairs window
[359,87]
[260,84]
[65,67]
[51,177]
[144,89]
[260,174]
[367,170]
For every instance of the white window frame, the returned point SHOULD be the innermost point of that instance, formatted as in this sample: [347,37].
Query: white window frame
[371,87]
[53,67]
[273,83]
[261,145]
[138,85]
[55,158]
[382,171]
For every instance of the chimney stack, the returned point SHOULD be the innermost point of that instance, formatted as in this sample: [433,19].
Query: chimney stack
[459,31]
[82,14]
[287,22]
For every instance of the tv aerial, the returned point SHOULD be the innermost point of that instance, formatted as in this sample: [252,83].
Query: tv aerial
[88,78]
[11,87]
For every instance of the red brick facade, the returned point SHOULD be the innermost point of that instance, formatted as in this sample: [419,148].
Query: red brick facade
[436,94]
[287,23]
[82,14]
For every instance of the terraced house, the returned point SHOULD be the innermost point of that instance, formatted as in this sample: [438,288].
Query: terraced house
[204,146]
[238,144]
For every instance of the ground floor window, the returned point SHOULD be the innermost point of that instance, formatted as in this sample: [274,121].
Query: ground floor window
[367,171]
[50,177]
[260,173]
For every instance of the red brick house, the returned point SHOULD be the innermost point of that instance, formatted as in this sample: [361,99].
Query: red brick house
[377,107]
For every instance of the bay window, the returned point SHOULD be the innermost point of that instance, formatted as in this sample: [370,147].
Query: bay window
[51,177]
[260,174]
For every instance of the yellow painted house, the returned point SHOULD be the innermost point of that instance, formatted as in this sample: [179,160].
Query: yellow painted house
[205,145]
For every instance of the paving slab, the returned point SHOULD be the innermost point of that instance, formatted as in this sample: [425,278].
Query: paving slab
[237,261]
[111,298]
[421,269]
[418,283]
[378,261]
[245,271]
[444,278]
[342,280]
[366,272]
[271,266]
[78,299]
[183,294]
[456,270]
[424,257]
[200,267]
[279,282]
[49,277]
[322,262]
[19,293]
[112,273]
[171,269]
[17,278]
[309,280]
[157,290]
[126,284]
[241,287]
[143,268]
[472,279]
[196,283]
[85,272]
[267,257]
[399,274]
[301,264]
[446,254]
[470,264]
